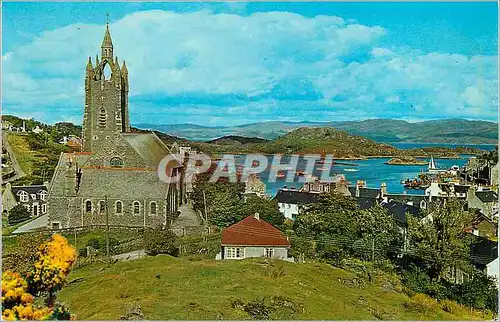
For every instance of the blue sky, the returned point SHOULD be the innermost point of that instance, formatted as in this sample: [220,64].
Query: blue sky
[234,63]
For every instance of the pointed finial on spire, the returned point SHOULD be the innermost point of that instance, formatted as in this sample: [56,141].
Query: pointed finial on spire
[89,64]
[107,44]
[96,60]
[124,68]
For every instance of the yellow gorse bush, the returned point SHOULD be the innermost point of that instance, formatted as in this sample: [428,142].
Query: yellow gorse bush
[17,302]
[54,260]
[53,263]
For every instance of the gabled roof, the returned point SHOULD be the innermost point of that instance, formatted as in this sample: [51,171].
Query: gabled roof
[149,147]
[365,192]
[253,232]
[295,196]
[483,251]
[487,196]
[366,203]
[31,190]
[399,210]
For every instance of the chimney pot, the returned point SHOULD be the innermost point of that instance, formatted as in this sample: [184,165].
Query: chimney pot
[256,216]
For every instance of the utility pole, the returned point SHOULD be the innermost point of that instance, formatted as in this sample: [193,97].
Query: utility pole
[107,228]
[373,250]
[205,204]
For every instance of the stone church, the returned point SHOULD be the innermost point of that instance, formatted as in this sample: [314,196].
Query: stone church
[116,173]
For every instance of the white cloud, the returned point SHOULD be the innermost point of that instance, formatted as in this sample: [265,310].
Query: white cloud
[255,56]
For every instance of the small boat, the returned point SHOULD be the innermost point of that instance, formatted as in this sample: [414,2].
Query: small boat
[280,174]
[351,170]
[322,169]
[300,173]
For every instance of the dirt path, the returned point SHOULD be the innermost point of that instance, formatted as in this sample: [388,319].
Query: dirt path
[15,165]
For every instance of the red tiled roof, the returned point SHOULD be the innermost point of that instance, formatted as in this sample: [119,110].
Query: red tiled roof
[253,232]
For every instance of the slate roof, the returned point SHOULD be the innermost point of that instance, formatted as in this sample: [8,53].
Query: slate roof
[365,192]
[406,198]
[35,189]
[483,251]
[295,197]
[253,232]
[487,196]
[148,145]
[399,210]
[366,203]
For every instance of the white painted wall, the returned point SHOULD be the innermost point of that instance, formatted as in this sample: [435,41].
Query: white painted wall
[492,269]
[290,211]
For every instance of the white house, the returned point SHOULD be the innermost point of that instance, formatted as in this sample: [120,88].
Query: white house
[290,201]
[253,237]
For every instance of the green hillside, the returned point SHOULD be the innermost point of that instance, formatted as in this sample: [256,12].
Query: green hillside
[327,140]
[163,288]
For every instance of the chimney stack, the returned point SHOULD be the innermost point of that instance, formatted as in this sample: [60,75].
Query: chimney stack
[256,216]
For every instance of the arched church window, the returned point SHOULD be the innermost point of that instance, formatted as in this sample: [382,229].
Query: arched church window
[88,206]
[119,207]
[153,207]
[116,162]
[102,207]
[102,117]
[136,208]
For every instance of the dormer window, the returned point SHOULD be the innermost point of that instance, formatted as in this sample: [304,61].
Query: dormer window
[42,194]
[23,196]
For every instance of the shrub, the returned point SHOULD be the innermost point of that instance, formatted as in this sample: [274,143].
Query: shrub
[453,307]
[422,303]
[18,214]
[275,270]
[160,241]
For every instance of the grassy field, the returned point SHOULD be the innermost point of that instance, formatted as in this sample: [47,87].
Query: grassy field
[165,287]
[24,155]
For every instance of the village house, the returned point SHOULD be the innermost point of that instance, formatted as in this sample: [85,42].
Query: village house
[292,201]
[34,198]
[255,186]
[484,200]
[115,177]
[37,130]
[253,237]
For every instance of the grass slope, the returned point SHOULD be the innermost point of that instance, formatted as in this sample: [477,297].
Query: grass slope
[175,288]
[24,155]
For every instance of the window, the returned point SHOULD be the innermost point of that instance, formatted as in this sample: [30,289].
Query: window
[423,205]
[235,252]
[102,117]
[136,208]
[269,252]
[56,225]
[23,196]
[153,207]
[43,194]
[102,206]
[44,208]
[119,207]
[88,206]
[116,162]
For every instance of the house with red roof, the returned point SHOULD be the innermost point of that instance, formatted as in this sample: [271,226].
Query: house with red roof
[253,237]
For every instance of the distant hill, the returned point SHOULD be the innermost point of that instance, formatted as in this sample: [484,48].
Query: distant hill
[380,130]
[236,139]
[327,140]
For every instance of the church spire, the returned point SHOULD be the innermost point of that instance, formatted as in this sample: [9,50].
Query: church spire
[107,45]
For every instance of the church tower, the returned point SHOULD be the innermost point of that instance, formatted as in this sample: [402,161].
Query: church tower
[106,99]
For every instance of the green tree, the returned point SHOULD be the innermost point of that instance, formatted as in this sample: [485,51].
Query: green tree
[328,226]
[223,200]
[18,214]
[268,210]
[439,239]
[378,232]
[160,241]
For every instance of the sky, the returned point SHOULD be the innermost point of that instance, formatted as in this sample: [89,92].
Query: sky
[224,64]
